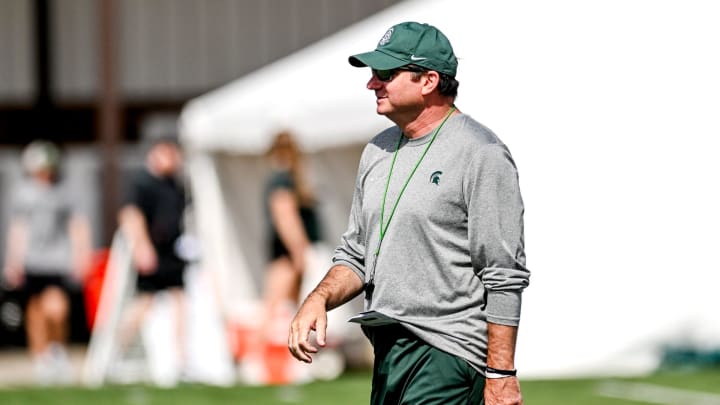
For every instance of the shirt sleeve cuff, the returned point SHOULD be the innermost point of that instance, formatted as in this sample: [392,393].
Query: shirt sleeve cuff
[503,307]
[359,271]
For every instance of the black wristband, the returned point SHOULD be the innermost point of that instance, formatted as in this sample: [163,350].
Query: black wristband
[509,373]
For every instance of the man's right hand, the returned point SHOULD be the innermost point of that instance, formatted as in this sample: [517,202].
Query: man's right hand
[145,258]
[339,286]
[312,316]
[14,276]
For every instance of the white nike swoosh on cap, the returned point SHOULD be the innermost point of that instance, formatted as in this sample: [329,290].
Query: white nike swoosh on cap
[413,57]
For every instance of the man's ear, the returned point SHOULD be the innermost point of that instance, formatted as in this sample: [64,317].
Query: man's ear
[431,80]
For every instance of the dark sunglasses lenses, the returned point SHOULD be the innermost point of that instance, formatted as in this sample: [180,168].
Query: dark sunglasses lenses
[385,75]
[388,75]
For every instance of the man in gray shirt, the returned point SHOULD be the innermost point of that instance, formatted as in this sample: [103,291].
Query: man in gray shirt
[49,248]
[435,239]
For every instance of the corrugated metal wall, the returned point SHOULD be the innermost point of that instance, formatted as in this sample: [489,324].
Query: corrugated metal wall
[74,45]
[16,56]
[169,49]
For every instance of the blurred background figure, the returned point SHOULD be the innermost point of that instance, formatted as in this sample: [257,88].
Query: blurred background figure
[151,218]
[292,224]
[48,251]
[292,227]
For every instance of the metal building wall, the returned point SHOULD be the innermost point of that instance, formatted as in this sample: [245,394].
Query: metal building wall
[169,49]
[74,49]
[16,57]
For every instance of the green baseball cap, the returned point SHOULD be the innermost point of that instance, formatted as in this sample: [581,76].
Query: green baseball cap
[410,43]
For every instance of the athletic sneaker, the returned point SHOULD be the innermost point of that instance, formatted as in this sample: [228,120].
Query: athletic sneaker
[42,369]
[62,370]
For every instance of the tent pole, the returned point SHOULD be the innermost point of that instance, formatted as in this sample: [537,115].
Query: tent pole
[109,115]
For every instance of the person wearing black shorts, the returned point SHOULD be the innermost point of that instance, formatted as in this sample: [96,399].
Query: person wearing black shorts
[151,219]
[48,251]
[292,227]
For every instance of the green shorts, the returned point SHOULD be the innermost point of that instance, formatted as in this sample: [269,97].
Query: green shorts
[409,371]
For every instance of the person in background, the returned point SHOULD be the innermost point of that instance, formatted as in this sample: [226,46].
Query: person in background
[151,218]
[49,250]
[435,239]
[292,226]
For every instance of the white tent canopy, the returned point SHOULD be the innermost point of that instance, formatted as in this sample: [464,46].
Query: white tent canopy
[610,110]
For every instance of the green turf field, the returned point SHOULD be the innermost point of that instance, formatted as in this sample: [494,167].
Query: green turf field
[701,387]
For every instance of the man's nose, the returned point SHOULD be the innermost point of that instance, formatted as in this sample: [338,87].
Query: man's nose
[374,83]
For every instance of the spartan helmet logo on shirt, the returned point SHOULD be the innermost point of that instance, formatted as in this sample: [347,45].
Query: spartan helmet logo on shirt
[386,38]
[435,178]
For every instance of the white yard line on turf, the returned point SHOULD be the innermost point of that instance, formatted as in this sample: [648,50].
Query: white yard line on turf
[656,394]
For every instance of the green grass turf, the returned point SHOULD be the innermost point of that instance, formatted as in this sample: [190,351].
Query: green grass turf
[586,391]
[351,388]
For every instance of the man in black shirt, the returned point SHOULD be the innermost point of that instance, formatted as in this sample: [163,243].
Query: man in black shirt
[151,219]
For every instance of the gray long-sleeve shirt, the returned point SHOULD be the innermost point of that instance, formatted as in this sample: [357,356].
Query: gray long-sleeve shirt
[453,254]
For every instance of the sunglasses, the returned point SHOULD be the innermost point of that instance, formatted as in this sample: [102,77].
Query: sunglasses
[389,74]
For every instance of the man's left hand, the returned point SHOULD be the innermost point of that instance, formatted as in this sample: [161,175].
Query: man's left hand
[502,391]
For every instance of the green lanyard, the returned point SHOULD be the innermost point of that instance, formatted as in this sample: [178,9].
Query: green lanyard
[383,229]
